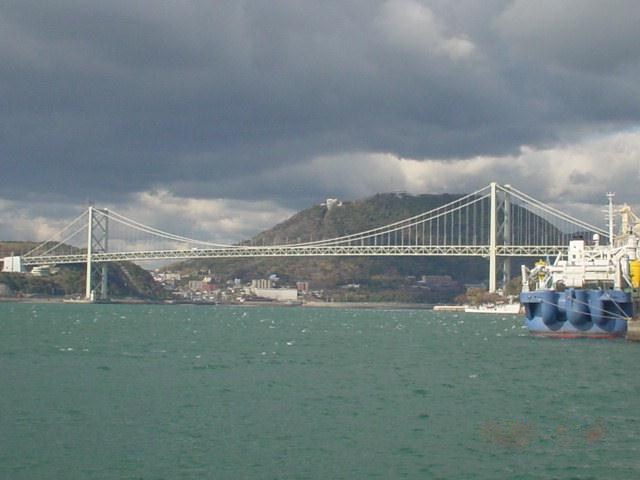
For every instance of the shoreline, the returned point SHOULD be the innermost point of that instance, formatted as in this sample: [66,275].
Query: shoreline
[312,304]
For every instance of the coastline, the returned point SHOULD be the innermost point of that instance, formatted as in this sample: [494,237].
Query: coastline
[312,304]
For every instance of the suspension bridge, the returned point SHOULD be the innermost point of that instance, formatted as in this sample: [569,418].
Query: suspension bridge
[497,222]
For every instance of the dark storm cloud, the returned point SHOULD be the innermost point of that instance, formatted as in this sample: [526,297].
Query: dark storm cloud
[99,100]
[586,36]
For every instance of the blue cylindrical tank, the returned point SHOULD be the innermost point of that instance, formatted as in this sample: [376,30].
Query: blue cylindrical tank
[577,308]
[616,305]
[577,312]
[549,312]
[596,307]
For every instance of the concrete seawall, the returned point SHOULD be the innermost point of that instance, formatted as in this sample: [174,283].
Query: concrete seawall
[633,330]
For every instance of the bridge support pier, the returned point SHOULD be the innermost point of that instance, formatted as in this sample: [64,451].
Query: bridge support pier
[506,272]
[104,283]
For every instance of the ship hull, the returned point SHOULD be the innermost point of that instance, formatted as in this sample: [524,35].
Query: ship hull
[577,312]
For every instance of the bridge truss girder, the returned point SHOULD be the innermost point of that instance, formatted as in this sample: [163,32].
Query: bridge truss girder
[305,251]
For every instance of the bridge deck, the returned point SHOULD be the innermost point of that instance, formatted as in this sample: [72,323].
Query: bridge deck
[304,251]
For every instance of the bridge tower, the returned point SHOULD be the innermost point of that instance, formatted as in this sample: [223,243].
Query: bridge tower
[506,232]
[97,242]
[500,232]
[493,238]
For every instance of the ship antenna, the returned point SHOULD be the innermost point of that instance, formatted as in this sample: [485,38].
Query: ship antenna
[610,196]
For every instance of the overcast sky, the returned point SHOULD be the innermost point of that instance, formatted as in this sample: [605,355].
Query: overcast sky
[217,119]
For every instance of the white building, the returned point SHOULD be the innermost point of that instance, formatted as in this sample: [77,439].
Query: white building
[278,294]
[331,203]
[41,271]
[262,283]
[12,264]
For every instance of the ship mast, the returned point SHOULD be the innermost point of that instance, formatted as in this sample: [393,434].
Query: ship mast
[610,196]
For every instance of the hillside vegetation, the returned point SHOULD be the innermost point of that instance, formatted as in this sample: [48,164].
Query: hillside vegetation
[125,279]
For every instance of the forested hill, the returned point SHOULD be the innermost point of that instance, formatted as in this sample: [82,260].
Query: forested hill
[126,279]
[386,277]
[321,222]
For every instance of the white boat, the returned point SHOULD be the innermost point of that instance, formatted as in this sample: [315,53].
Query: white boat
[495,308]
[449,308]
[76,300]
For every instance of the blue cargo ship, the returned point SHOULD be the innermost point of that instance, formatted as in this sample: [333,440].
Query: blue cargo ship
[592,291]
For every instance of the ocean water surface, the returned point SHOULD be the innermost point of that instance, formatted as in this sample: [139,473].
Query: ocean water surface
[186,392]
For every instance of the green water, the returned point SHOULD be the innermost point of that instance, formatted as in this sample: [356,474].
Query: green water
[182,392]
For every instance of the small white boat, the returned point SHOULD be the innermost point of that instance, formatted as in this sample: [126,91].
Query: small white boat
[495,308]
[449,308]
